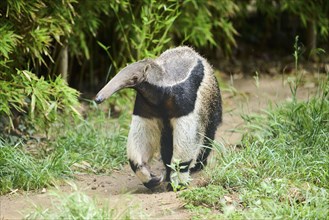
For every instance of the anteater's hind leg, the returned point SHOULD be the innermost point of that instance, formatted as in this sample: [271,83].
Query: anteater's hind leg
[214,119]
[201,161]
[143,143]
[205,150]
[185,147]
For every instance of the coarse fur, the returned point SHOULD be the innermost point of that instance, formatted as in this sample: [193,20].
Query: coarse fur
[177,111]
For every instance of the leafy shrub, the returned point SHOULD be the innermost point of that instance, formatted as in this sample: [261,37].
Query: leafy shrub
[40,99]
[207,23]
[29,30]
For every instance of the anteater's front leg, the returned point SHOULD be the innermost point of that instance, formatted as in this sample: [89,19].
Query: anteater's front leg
[143,143]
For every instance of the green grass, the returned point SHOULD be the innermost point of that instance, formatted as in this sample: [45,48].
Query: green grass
[96,144]
[282,171]
[19,169]
[78,205]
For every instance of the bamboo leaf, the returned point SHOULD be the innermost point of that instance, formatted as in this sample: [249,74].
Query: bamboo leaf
[33,99]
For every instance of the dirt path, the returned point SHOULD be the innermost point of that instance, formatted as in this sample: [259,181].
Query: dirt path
[122,189]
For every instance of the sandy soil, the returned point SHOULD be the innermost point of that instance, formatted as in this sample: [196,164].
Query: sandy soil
[122,189]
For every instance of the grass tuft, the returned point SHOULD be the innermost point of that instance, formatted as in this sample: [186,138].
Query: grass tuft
[20,170]
[77,205]
[95,146]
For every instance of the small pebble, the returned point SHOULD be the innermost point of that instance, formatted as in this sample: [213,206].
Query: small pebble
[94,188]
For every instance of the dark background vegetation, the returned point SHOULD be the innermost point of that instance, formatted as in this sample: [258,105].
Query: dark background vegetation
[45,43]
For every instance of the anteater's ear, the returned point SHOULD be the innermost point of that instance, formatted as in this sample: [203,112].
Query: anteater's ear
[147,67]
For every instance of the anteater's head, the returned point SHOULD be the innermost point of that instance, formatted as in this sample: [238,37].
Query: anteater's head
[130,77]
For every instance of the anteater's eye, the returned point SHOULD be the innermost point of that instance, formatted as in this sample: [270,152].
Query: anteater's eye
[134,79]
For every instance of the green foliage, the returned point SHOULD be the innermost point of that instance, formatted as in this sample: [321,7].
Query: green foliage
[67,22]
[28,30]
[26,93]
[85,24]
[307,11]
[33,22]
[8,41]
[295,82]
[143,30]
[152,34]
[147,28]
[204,23]
[177,183]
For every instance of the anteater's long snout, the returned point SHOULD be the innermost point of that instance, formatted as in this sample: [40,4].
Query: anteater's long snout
[118,82]
[107,91]
[99,99]
[128,77]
